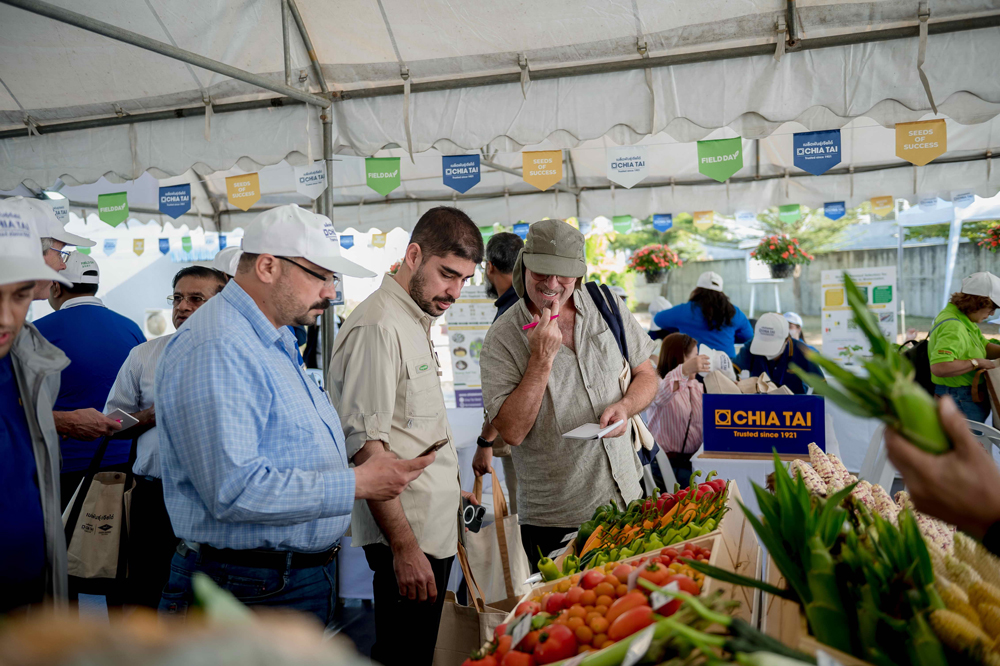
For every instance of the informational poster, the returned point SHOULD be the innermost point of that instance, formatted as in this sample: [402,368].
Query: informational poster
[468,320]
[834,210]
[842,339]
[627,165]
[175,200]
[243,191]
[756,424]
[790,214]
[542,168]
[817,152]
[310,179]
[920,142]
[460,172]
[112,208]
[720,158]
[663,222]
[703,219]
[882,206]
[138,246]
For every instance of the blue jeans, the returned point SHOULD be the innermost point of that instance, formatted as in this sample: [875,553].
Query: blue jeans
[962,395]
[308,590]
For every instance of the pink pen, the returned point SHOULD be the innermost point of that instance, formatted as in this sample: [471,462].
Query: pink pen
[535,323]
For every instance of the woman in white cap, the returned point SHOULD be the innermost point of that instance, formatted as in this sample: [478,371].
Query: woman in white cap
[795,328]
[958,350]
[708,317]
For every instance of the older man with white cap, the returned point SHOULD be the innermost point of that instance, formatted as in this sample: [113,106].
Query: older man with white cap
[708,317]
[773,350]
[958,350]
[33,557]
[255,472]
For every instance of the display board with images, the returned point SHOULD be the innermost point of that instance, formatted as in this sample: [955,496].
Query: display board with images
[468,319]
[842,339]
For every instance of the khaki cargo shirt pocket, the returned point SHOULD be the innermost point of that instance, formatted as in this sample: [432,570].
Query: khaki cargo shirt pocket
[423,389]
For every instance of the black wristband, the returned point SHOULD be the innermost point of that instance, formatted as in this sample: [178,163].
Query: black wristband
[483,444]
[991,540]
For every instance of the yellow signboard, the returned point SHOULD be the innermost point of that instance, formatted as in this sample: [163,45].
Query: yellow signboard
[138,245]
[703,219]
[378,240]
[542,168]
[882,206]
[920,142]
[243,191]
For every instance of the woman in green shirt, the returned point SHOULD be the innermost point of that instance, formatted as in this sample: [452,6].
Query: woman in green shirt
[957,349]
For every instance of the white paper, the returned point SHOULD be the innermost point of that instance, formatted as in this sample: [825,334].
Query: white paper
[640,645]
[719,360]
[519,630]
[126,419]
[591,431]
[823,659]
[571,535]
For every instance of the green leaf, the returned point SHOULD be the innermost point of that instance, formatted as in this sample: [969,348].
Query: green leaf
[736,579]
[776,548]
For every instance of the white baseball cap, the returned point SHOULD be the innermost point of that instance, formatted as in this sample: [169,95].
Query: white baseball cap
[46,223]
[710,280]
[227,260]
[793,318]
[290,231]
[983,284]
[81,269]
[21,247]
[769,335]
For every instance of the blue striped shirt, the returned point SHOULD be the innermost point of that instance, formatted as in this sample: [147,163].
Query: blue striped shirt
[252,451]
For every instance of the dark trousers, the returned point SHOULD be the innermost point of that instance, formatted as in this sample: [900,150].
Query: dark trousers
[151,544]
[405,631]
[548,539]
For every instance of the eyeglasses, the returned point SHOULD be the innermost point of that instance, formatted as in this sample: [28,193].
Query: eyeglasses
[328,281]
[63,254]
[196,300]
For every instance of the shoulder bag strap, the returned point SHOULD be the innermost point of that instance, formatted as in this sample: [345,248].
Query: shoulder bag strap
[92,469]
[934,328]
[499,513]
[602,297]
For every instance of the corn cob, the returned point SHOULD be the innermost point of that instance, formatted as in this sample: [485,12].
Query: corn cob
[962,575]
[821,463]
[862,493]
[959,634]
[809,476]
[902,499]
[973,553]
[884,505]
[955,599]
[840,470]
[989,614]
[981,592]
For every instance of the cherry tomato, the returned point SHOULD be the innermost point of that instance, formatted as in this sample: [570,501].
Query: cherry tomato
[503,646]
[555,644]
[575,622]
[611,579]
[621,590]
[577,610]
[669,552]
[592,579]
[584,635]
[515,658]
[621,573]
[629,601]
[600,610]
[555,603]
[591,616]
[482,660]
[528,607]
[574,595]
[598,625]
[499,631]
[605,589]
[599,640]
[684,584]
[655,573]
[588,598]
[630,622]
[603,600]
[530,640]
[687,553]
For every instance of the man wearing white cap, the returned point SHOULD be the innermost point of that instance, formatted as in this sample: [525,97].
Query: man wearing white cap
[958,350]
[773,350]
[97,340]
[227,260]
[708,317]
[33,557]
[255,472]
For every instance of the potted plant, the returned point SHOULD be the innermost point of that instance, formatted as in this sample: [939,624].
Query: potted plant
[654,262]
[781,253]
[991,240]
[395,267]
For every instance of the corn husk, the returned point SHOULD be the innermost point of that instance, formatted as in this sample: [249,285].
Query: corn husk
[959,634]
[955,599]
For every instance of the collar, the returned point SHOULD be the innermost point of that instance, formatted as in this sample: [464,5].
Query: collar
[82,300]
[954,313]
[34,352]
[396,291]
[246,306]
[506,299]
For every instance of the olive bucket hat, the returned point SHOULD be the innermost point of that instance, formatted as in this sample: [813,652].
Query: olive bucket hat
[552,247]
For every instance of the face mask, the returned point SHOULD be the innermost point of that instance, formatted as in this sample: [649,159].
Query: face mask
[780,351]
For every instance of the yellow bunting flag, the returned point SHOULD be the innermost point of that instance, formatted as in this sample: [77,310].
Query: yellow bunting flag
[138,246]
[542,168]
[882,206]
[920,142]
[243,191]
[703,219]
[378,240]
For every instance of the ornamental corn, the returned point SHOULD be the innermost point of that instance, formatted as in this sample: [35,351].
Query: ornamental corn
[982,592]
[959,634]
[809,476]
[821,464]
[970,551]
[955,599]
[839,469]
[964,576]
[862,493]
[989,614]
[884,505]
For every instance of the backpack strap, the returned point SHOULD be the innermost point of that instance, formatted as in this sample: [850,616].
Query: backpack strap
[934,328]
[608,307]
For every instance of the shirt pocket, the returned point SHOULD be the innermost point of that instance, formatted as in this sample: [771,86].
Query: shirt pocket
[423,389]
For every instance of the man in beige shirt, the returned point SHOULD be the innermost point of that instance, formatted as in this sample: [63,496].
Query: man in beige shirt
[562,374]
[385,381]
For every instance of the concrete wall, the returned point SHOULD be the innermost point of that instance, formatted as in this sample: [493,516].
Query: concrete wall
[922,281]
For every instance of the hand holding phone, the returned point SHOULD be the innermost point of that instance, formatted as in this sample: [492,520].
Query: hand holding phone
[433,447]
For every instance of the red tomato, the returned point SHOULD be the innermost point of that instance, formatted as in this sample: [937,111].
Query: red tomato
[530,641]
[592,579]
[622,571]
[528,607]
[499,631]
[655,573]
[503,646]
[626,603]
[574,595]
[515,658]
[480,659]
[669,552]
[687,553]
[555,603]
[630,622]
[555,644]
[684,584]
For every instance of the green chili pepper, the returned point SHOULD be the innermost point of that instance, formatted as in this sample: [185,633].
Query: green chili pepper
[671,536]
[655,543]
[548,568]
[626,553]
[614,555]
[709,525]
[571,565]
[601,560]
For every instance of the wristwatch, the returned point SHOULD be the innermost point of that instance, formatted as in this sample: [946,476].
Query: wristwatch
[483,443]
[974,362]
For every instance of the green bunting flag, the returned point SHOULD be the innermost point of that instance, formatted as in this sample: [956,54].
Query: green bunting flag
[382,174]
[186,243]
[720,158]
[790,214]
[487,232]
[622,223]
[112,208]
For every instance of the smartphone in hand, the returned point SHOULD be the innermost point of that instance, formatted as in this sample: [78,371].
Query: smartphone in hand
[433,447]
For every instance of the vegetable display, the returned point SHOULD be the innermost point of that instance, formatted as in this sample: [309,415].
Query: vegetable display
[889,392]
[645,525]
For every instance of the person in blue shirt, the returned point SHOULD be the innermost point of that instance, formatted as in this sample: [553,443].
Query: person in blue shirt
[97,341]
[708,317]
[773,350]
[253,456]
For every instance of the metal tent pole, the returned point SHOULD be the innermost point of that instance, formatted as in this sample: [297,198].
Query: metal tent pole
[899,279]
[285,46]
[169,50]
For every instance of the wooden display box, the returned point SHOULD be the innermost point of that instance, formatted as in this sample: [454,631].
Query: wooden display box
[785,621]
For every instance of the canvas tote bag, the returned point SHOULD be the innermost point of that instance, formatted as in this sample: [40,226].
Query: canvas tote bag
[992,386]
[495,553]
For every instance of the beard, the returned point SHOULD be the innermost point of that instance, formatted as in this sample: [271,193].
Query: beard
[287,308]
[418,285]
[491,289]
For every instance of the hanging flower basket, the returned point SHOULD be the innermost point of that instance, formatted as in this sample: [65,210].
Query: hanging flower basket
[991,241]
[781,271]
[781,253]
[654,262]
[656,277]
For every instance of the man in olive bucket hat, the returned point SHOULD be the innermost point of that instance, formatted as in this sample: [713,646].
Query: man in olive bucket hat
[544,380]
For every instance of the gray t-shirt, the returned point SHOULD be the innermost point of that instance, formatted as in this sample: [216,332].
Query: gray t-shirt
[561,481]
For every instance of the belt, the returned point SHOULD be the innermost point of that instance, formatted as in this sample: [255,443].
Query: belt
[260,559]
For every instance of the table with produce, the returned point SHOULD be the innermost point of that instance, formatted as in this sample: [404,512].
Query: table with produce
[855,576]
